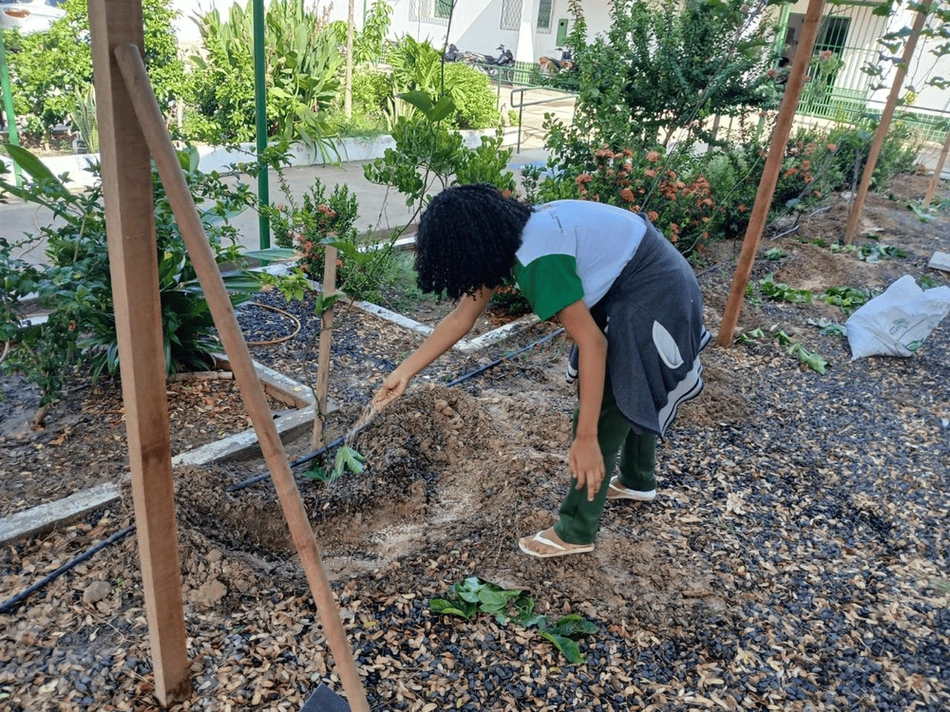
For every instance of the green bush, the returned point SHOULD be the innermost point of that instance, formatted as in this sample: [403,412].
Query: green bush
[418,66]
[48,69]
[76,285]
[475,101]
[372,91]
[303,62]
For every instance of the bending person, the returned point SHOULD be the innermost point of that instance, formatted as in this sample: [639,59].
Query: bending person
[624,294]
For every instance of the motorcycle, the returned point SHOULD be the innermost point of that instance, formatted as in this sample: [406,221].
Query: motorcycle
[484,62]
[563,62]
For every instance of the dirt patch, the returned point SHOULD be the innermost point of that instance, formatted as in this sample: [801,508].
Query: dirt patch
[84,442]
[795,557]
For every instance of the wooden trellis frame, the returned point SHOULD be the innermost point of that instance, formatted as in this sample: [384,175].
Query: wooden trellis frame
[770,173]
[132,126]
[881,133]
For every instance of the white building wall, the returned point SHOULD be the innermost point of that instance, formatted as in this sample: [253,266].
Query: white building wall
[476,24]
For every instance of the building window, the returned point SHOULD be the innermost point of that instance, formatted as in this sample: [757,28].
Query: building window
[545,13]
[510,14]
[435,11]
[443,9]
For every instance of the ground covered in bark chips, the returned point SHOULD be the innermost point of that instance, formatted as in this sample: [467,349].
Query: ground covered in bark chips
[796,557]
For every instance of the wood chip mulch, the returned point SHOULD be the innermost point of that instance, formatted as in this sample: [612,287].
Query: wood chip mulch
[796,557]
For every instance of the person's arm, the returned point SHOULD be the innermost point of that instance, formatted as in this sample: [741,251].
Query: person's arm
[586,460]
[446,334]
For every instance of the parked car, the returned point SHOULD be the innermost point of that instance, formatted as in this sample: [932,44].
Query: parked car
[30,15]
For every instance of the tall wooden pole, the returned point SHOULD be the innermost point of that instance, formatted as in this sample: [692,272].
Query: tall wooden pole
[202,257]
[133,261]
[882,127]
[932,185]
[773,165]
[323,353]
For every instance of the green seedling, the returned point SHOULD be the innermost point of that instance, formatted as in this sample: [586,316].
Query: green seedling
[928,282]
[848,298]
[781,292]
[830,328]
[346,459]
[774,254]
[783,338]
[473,596]
[811,359]
[873,254]
[751,336]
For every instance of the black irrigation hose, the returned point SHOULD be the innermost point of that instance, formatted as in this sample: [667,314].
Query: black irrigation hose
[339,441]
[8,605]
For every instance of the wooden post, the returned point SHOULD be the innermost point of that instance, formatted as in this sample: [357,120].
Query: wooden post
[773,165]
[879,135]
[189,222]
[133,262]
[932,185]
[326,340]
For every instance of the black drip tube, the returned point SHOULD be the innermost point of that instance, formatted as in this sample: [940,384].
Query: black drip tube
[8,605]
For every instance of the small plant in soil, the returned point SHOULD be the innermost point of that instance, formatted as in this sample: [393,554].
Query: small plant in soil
[848,298]
[774,253]
[347,459]
[473,596]
[829,328]
[780,292]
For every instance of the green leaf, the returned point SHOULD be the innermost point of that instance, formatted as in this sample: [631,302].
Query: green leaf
[573,624]
[31,164]
[450,608]
[442,110]
[272,254]
[567,646]
[418,99]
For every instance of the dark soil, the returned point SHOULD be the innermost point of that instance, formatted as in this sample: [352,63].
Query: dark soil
[796,557]
[83,443]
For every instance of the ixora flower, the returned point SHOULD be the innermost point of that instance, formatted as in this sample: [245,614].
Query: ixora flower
[653,156]
[627,195]
[583,178]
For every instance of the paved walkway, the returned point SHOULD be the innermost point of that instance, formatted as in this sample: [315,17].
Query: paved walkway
[380,208]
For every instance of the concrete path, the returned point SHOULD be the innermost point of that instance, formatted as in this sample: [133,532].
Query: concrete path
[380,208]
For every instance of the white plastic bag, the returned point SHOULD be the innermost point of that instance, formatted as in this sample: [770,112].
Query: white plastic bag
[896,322]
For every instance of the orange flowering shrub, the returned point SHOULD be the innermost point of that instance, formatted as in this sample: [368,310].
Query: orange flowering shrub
[680,208]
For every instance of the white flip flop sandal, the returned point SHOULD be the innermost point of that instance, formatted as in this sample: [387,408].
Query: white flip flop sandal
[616,491]
[553,548]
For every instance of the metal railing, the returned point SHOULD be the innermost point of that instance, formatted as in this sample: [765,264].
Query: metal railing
[560,96]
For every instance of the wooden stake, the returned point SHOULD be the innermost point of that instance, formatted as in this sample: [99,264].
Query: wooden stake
[133,262]
[189,222]
[326,340]
[932,185]
[881,132]
[773,165]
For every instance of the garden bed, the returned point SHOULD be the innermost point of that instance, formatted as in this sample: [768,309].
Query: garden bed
[795,558]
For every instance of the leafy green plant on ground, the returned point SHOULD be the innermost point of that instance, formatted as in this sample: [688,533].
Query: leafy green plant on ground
[346,460]
[473,596]
[848,298]
[811,359]
[779,291]
[76,288]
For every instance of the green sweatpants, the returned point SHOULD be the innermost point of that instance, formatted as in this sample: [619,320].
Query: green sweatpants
[579,517]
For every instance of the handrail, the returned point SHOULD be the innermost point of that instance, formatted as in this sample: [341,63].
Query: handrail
[522,103]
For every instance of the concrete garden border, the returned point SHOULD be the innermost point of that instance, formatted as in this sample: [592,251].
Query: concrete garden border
[290,424]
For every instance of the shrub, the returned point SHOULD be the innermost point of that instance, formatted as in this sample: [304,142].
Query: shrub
[475,102]
[48,69]
[76,286]
[303,60]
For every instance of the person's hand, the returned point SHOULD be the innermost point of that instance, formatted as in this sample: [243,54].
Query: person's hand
[587,464]
[394,385]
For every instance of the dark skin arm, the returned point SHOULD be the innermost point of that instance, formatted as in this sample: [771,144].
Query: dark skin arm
[586,460]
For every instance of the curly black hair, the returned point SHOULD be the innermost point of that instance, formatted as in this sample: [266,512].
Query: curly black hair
[467,239]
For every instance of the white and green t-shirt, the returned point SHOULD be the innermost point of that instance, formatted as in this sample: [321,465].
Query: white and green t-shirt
[572,250]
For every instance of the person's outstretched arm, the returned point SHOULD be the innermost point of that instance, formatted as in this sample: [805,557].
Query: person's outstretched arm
[445,335]
[586,460]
